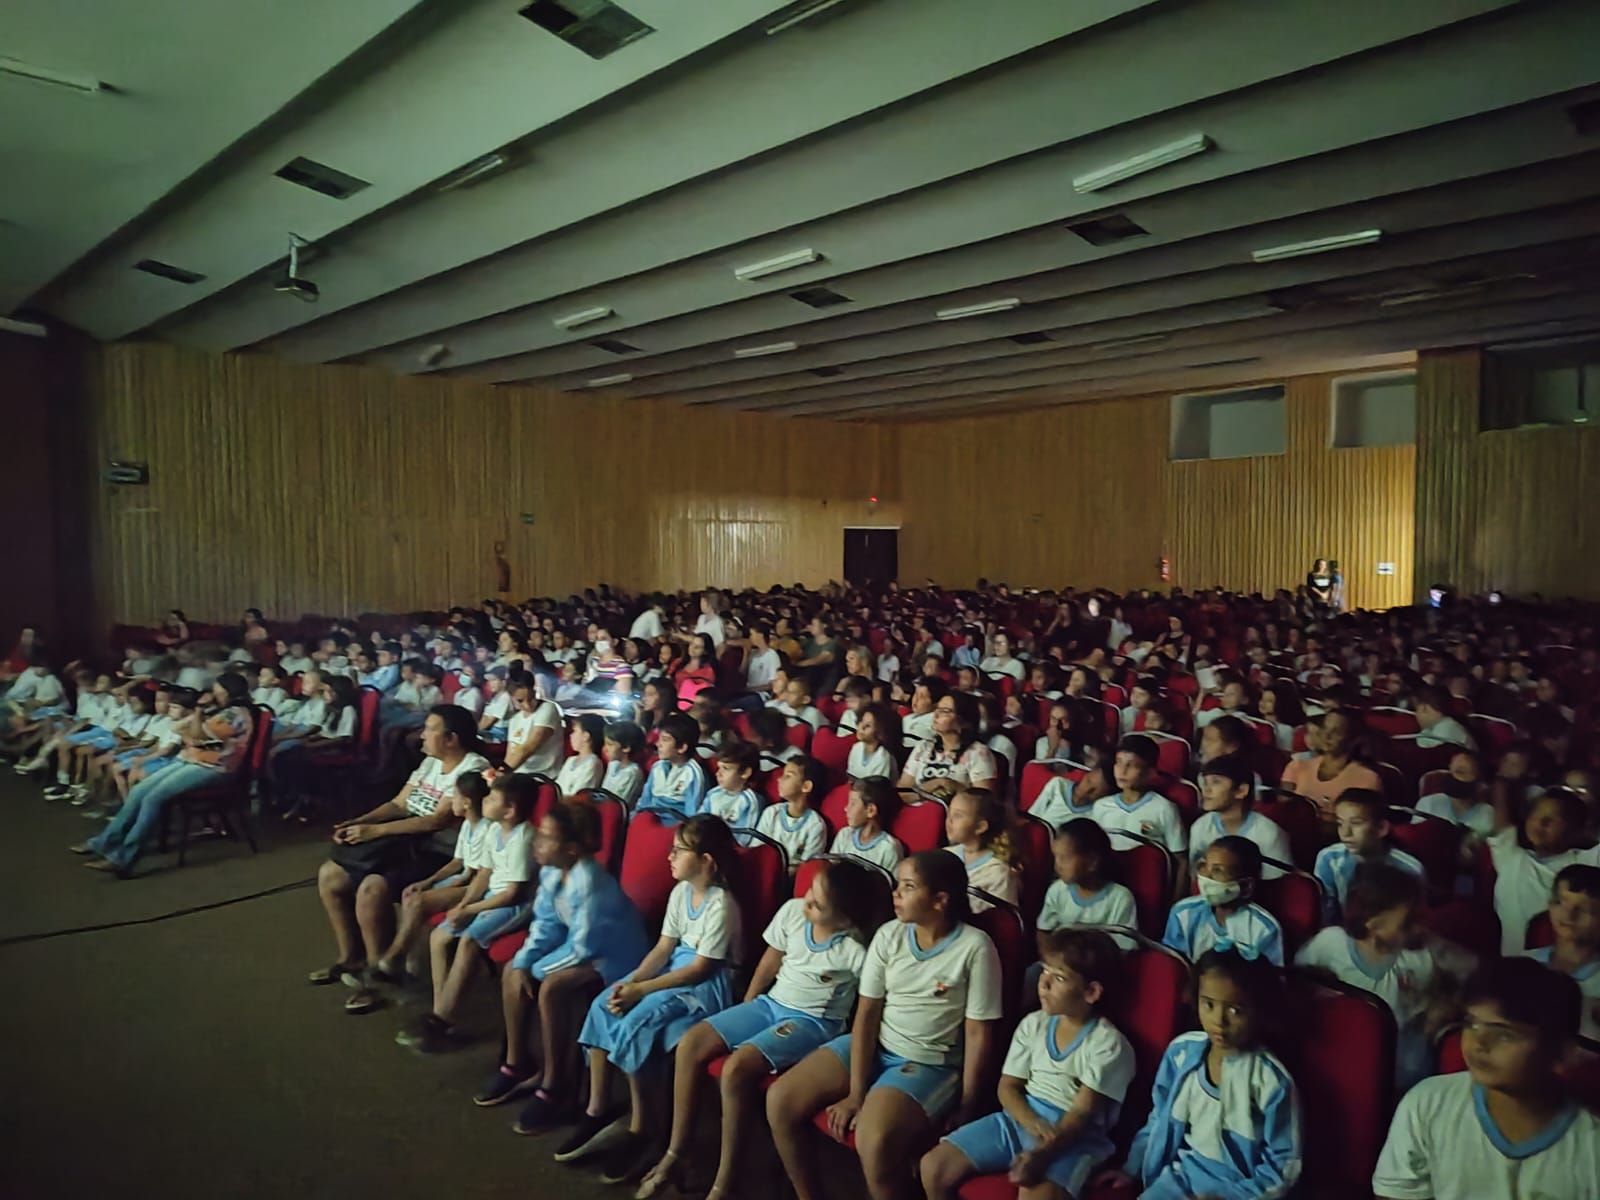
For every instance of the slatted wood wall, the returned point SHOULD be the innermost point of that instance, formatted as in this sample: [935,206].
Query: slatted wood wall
[341,490]
[1509,509]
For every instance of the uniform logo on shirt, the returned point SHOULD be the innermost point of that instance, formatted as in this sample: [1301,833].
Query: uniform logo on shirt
[939,989]
[825,978]
[1146,829]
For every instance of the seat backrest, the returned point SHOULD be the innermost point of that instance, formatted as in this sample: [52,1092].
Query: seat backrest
[1392,722]
[1150,1007]
[1297,817]
[367,705]
[920,826]
[1296,900]
[762,885]
[1032,854]
[1114,694]
[645,875]
[1540,933]
[798,734]
[1008,931]
[1432,783]
[1341,1058]
[832,749]
[1183,794]
[807,874]
[831,708]
[833,806]
[260,740]
[1146,870]
[449,685]
[1470,925]
[1035,775]
[739,722]
[1113,719]
[613,814]
[1432,841]
[547,798]
[1494,734]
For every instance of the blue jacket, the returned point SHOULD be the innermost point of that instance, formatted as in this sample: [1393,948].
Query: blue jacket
[1256,1094]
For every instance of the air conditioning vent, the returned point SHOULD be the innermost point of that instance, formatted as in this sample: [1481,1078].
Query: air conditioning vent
[597,27]
[152,266]
[1108,230]
[1031,339]
[614,346]
[827,372]
[321,178]
[819,297]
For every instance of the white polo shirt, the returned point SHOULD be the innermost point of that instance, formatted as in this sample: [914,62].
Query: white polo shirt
[928,994]
[817,977]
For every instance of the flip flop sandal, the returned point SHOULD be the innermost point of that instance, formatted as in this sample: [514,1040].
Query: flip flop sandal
[363,1002]
[327,975]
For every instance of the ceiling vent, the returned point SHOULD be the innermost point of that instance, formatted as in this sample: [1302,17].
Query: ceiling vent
[1108,230]
[161,270]
[614,346]
[1031,339]
[321,178]
[819,297]
[597,27]
[827,372]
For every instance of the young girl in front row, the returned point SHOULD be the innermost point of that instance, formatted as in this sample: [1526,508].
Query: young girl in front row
[1225,1117]
[975,826]
[920,1046]
[815,950]
[687,976]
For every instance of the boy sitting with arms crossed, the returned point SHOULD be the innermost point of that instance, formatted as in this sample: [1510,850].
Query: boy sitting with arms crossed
[1363,823]
[1575,921]
[1506,1127]
[870,809]
[1061,1088]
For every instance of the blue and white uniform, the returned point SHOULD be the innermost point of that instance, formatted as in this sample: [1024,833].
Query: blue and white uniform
[625,780]
[1098,1058]
[471,850]
[1193,928]
[673,790]
[994,875]
[1523,883]
[741,810]
[1152,816]
[510,858]
[865,764]
[884,850]
[582,916]
[1587,977]
[1443,1142]
[809,1002]
[1065,904]
[1056,803]
[1237,1138]
[1337,863]
[802,837]
[657,1023]
[1263,831]
[1478,818]
[927,997]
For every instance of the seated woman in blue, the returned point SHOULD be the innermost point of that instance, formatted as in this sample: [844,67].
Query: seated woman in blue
[1225,1119]
[685,978]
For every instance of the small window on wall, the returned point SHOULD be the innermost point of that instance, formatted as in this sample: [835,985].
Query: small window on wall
[1374,410]
[1248,423]
[1541,386]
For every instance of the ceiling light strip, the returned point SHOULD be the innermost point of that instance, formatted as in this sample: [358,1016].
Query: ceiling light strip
[78,83]
[1150,160]
[1341,241]
[610,380]
[771,266]
[804,14]
[587,316]
[978,310]
[760,351]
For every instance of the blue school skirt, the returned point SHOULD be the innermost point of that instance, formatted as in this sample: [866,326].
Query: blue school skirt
[100,739]
[658,1022]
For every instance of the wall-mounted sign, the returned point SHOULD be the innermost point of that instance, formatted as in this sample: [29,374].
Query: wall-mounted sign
[128,473]
[1385,568]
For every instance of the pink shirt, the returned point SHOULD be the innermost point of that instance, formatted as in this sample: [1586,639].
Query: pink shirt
[1301,774]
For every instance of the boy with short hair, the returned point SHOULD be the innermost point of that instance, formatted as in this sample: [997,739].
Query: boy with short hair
[857,693]
[1575,921]
[733,799]
[1227,803]
[1506,1127]
[870,809]
[676,783]
[1363,824]
[1134,808]
[1436,726]
[795,824]
[1061,1088]
[1064,799]
[624,778]
[797,704]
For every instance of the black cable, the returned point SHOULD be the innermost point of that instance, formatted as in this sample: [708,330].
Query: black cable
[20,938]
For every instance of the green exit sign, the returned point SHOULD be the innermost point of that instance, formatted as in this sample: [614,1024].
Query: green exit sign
[527,518]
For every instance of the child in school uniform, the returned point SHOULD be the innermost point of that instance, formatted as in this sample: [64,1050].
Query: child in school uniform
[300,718]
[1066,799]
[1061,1088]
[583,768]
[496,903]
[76,749]
[769,734]
[1140,697]
[1575,922]
[1083,892]
[470,694]
[920,1044]
[162,751]
[495,720]
[624,777]
[1135,808]
[138,712]
[867,814]
[1506,1128]
[676,782]
[270,690]
[793,823]
[816,949]
[1227,802]
[733,799]
[1224,914]
[872,756]
[35,693]
[1363,826]
[1225,1115]
[857,692]
[796,703]
[1380,948]
[38,740]
[292,657]
[975,827]
[1528,859]
[686,977]
[1461,799]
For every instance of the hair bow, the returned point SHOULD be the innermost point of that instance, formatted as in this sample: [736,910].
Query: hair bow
[1248,953]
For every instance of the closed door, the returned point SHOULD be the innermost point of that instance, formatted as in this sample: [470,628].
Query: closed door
[871,556]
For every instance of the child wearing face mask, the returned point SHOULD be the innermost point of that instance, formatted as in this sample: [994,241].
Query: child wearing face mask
[1223,914]
[1460,799]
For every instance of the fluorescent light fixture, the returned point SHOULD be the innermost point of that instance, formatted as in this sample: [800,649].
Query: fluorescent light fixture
[770,348]
[784,262]
[30,328]
[609,380]
[1161,156]
[978,310]
[587,317]
[82,83]
[1340,241]
[477,169]
[433,355]
[1143,339]
[802,14]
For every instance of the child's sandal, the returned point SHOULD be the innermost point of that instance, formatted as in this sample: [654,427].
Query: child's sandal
[363,1002]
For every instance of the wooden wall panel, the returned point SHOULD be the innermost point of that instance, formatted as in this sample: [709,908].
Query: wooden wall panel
[341,490]
[1509,509]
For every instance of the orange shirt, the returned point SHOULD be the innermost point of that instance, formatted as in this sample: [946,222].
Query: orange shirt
[1301,774]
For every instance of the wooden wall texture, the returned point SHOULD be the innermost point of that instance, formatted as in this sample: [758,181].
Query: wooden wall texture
[1084,494]
[341,490]
[1510,509]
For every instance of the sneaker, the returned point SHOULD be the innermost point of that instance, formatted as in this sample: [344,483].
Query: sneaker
[83,848]
[505,1083]
[79,799]
[592,1135]
[540,1114]
[631,1156]
[57,791]
[429,1035]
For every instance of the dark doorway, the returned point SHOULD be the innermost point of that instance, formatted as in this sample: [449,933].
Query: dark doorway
[871,556]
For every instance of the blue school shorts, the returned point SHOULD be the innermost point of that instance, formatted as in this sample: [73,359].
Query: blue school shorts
[783,1036]
[100,739]
[487,926]
[936,1089]
[495,733]
[991,1142]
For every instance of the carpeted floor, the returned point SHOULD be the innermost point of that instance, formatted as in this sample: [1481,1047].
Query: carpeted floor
[189,1058]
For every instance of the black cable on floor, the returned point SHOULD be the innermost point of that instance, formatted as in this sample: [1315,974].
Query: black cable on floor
[20,938]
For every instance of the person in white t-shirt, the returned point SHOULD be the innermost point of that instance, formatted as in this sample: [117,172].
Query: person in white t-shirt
[1527,861]
[710,622]
[877,736]
[533,735]
[1000,660]
[1437,727]
[583,768]
[761,661]
[647,625]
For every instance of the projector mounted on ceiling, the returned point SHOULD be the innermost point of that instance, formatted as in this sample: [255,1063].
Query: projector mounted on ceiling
[291,283]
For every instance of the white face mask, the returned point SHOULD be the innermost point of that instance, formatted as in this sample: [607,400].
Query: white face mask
[602,647]
[1214,892]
